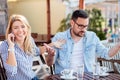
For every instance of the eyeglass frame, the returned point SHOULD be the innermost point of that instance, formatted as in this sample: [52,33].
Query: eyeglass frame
[80,26]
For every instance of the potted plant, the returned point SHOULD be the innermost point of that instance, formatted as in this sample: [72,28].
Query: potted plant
[64,24]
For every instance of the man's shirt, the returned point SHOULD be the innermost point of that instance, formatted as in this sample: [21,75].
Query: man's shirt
[92,47]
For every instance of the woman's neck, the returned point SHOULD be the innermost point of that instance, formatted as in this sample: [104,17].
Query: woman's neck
[20,44]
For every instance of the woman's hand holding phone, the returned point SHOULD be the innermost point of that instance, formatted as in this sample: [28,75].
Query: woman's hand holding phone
[10,40]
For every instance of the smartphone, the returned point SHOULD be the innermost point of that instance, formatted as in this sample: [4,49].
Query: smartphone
[13,38]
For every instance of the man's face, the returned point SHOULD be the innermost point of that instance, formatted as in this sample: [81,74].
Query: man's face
[79,27]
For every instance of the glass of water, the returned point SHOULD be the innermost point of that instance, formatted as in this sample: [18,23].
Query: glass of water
[96,70]
[80,72]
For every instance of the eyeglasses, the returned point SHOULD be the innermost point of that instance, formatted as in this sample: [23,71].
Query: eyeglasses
[80,26]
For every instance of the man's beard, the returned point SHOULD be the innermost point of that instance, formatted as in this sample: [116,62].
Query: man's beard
[79,34]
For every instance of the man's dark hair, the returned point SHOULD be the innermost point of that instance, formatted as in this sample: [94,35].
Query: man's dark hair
[79,13]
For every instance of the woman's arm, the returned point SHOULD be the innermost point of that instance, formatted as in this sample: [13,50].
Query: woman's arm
[11,60]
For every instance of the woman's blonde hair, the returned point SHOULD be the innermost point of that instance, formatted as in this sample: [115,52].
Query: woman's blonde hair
[27,42]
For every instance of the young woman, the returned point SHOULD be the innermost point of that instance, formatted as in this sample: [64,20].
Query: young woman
[18,49]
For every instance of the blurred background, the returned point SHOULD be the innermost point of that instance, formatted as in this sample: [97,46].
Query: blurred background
[51,16]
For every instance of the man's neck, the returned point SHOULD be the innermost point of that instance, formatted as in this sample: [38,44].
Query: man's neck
[75,38]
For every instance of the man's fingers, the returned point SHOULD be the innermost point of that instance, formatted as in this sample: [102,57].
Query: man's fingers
[59,43]
[49,50]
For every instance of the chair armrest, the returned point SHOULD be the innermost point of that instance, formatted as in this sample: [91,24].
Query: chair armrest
[112,61]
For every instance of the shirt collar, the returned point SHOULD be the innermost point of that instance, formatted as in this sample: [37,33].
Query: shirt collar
[69,33]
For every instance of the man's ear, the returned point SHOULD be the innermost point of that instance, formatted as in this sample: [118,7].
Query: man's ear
[71,23]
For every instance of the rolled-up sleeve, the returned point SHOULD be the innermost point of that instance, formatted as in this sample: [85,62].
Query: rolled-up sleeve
[102,50]
[10,70]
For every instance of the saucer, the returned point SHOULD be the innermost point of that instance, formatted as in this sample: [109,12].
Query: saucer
[104,74]
[69,78]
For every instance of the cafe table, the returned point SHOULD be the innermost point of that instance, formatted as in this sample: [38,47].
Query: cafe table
[88,76]
[111,76]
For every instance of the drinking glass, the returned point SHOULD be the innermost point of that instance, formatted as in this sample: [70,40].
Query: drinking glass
[80,72]
[96,70]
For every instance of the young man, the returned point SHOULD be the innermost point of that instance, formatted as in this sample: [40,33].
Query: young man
[81,46]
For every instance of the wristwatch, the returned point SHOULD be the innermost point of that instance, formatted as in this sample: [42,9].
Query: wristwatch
[11,49]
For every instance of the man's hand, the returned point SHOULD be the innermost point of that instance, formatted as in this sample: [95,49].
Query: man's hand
[49,50]
[59,43]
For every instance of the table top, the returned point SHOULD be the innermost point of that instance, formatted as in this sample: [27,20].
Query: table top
[111,76]
[89,76]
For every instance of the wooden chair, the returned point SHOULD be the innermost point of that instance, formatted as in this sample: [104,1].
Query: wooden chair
[117,65]
[36,64]
[51,68]
[110,64]
[2,70]
[114,63]
[40,68]
[34,35]
[2,37]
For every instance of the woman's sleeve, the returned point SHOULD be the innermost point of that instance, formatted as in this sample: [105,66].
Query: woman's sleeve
[11,70]
[36,48]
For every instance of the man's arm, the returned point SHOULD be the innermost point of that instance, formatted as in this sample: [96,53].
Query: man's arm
[56,44]
[113,51]
[51,53]
[43,48]
[50,59]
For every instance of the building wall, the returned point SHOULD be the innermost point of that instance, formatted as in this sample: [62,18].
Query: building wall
[36,13]
[3,16]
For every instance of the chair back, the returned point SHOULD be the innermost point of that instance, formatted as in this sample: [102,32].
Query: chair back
[40,67]
[36,64]
[2,70]
[114,63]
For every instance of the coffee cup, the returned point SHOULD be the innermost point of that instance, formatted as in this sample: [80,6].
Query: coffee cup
[103,70]
[67,73]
